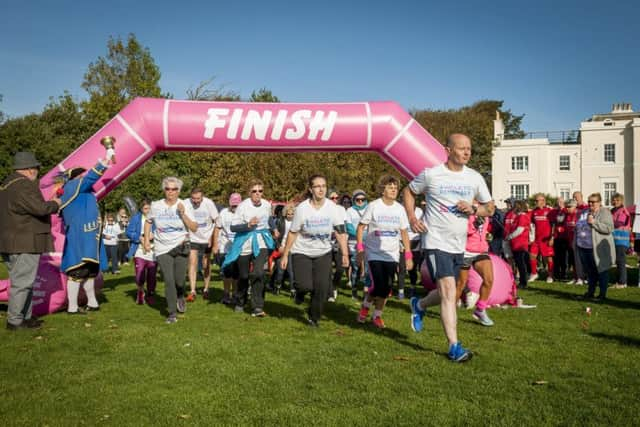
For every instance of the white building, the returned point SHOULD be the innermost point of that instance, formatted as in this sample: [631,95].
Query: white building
[603,156]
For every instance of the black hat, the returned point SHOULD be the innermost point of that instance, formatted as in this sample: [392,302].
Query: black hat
[25,160]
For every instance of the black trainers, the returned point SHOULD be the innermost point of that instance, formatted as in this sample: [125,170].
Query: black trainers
[298,298]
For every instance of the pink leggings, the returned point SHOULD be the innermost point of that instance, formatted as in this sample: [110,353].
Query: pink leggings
[146,270]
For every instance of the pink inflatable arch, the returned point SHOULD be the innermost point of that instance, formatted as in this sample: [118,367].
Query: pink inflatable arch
[503,290]
[148,125]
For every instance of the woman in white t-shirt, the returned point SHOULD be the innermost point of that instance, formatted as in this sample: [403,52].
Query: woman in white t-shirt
[385,219]
[173,219]
[250,248]
[309,242]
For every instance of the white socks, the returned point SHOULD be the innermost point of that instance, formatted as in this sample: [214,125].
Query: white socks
[73,288]
[91,293]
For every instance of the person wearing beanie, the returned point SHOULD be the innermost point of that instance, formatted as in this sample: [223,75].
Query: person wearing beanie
[358,269]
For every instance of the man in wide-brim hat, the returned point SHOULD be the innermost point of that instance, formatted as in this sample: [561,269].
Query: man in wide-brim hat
[25,234]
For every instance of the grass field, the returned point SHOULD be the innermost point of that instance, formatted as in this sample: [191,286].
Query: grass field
[553,365]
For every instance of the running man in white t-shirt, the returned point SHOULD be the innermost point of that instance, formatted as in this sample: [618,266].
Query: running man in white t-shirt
[449,190]
[386,220]
[202,241]
[309,242]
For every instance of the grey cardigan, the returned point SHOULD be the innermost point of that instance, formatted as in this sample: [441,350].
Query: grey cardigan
[604,249]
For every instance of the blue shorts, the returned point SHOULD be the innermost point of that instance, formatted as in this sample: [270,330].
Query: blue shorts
[443,264]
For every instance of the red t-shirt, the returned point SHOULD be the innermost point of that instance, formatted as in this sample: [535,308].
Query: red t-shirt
[521,242]
[509,220]
[541,219]
[570,225]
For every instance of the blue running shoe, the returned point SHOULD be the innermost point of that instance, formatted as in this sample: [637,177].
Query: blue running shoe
[416,315]
[459,354]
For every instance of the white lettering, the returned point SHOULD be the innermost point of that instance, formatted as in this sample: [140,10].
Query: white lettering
[214,122]
[258,124]
[232,133]
[279,125]
[319,122]
[297,120]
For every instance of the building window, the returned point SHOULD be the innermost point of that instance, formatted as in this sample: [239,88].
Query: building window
[610,153]
[565,163]
[520,191]
[609,191]
[565,193]
[520,163]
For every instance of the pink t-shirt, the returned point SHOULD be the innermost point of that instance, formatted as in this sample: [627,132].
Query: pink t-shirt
[477,236]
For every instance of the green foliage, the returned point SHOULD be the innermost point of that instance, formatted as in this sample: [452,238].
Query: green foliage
[263,95]
[476,121]
[50,135]
[127,71]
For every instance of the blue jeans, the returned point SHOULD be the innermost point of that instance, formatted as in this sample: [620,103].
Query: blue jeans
[589,264]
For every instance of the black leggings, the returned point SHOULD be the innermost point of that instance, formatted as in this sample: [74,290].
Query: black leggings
[313,275]
[382,273]
[521,259]
[339,269]
[253,278]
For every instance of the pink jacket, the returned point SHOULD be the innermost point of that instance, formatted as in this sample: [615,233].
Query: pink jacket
[477,237]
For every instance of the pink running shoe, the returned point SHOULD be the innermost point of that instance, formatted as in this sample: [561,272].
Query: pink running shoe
[140,297]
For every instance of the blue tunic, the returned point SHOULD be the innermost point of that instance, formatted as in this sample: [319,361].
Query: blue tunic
[80,214]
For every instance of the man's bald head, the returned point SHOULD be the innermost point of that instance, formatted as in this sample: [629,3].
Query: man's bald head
[457,138]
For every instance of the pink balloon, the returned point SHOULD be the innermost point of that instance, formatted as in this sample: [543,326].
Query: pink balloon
[503,290]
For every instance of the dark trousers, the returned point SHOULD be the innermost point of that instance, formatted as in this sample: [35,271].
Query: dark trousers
[593,276]
[254,277]
[560,254]
[621,264]
[174,270]
[339,269]
[521,259]
[112,256]
[417,263]
[382,273]
[313,275]
[123,248]
[401,272]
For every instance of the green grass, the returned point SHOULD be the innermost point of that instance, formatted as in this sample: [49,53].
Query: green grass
[124,366]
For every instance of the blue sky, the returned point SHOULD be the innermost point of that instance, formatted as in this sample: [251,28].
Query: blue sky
[557,62]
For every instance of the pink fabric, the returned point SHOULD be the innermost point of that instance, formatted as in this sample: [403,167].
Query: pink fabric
[146,272]
[477,237]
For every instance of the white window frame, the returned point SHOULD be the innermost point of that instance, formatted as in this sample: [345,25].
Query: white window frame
[568,165]
[608,192]
[522,167]
[612,153]
[565,193]
[514,193]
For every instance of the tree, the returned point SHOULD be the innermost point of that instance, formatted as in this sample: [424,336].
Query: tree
[50,135]
[476,121]
[263,95]
[126,72]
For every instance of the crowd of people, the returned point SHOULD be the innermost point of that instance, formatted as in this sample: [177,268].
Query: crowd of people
[446,219]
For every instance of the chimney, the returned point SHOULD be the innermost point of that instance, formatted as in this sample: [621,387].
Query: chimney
[621,108]
[498,128]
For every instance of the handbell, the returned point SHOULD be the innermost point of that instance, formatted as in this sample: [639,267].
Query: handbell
[109,142]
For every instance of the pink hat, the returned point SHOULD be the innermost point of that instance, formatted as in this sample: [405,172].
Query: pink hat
[235,199]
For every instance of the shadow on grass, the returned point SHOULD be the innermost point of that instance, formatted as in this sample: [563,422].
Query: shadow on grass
[340,314]
[559,294]
[621,339]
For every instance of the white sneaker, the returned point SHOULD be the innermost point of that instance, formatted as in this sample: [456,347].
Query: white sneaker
[579,282]
[331,299]
[571,282]
[335,294]
[349,284]
[549,279]
[533,277]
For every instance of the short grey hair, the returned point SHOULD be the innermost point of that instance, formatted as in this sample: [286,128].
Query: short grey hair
[172,179]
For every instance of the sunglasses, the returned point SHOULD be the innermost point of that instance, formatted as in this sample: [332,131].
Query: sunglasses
[593,201]
[170,189]
[257,191]
[359,200]
[334,198]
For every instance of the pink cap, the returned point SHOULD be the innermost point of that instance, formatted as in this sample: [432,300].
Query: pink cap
[235,199]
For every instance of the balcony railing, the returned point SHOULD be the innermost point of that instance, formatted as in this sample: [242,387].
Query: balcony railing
[557,136]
